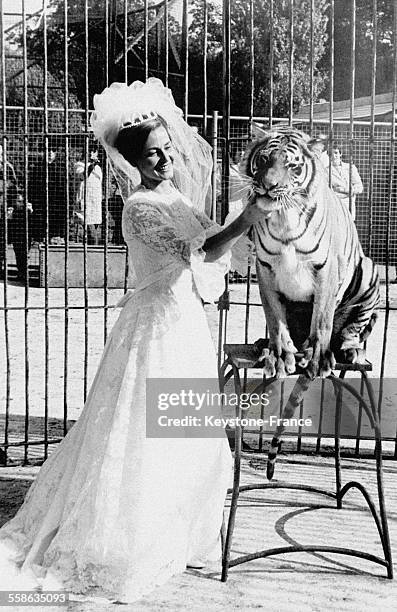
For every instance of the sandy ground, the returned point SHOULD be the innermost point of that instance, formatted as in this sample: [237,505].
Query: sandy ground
[301,582]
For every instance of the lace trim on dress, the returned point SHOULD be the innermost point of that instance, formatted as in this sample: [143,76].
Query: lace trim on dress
[158,228]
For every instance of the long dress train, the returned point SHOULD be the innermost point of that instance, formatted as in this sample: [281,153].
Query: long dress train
[112,512]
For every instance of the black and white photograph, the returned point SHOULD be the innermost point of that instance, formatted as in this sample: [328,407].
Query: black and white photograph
[198,305]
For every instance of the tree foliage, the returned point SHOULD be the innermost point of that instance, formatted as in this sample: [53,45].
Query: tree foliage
[87,69]
[364,33]
[240,54]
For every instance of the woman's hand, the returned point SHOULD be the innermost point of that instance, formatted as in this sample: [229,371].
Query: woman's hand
[258,207]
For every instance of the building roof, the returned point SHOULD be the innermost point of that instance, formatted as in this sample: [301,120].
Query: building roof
[361,110]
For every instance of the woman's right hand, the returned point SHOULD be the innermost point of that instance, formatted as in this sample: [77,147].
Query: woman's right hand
[258,208]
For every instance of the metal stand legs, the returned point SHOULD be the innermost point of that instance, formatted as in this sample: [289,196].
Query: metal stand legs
[243,357]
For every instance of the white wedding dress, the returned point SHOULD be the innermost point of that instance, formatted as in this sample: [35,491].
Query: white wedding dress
[113,513]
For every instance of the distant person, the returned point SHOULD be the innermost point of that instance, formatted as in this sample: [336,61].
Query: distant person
[16,219]
[8,189]
[340,179]
[20,235]
[89,195]
[37,196]
[56,196]
[115,210]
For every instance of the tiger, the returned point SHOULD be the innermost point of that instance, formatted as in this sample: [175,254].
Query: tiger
[318,290]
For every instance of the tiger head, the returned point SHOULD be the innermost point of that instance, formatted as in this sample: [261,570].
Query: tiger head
[281,166]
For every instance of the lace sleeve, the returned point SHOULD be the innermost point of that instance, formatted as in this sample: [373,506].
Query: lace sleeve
[152,224]
[205,221]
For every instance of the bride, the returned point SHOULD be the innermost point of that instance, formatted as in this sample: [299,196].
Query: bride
[114,513]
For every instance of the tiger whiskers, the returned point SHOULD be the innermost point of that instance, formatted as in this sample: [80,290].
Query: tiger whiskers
[245,189]
[237,180]
[288,201]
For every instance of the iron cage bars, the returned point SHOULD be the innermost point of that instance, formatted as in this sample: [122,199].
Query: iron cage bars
[226,140]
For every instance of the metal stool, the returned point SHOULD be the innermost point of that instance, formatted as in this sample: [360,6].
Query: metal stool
[244,357]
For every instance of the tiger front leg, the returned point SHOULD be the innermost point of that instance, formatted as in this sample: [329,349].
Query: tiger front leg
[279,358]
[317,349]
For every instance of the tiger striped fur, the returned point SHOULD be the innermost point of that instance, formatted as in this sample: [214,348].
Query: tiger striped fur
[318,290]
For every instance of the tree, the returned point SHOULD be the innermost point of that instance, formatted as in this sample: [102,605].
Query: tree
[240,55]
[88,40]
[364,48]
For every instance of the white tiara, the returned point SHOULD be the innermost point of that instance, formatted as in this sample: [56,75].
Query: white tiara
[120,106]
[138,118]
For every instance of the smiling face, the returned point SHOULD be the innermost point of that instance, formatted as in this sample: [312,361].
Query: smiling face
[155,163]
[336,157]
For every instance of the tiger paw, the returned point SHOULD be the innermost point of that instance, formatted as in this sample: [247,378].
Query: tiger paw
[289,362]
[327,363]
[305,357]
[269,362]
[316,361]
[273,366]
[322,367]
[352,355]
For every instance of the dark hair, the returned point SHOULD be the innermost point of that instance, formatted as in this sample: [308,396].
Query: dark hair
[131,140]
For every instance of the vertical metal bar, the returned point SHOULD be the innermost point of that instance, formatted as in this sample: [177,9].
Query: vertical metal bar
[46,243]
[5,226]
[291,62]
[125,40]
[247,308]
[86,30]
[220,335]
[166,41]
[252,64]
[251,115]
[311,109]
[107,179]
[214,140]
[352,94]
[146,37]
[158,39]
[372,126]
[392,170]
[126,271]
[320,420]
[67,207]
[112,34]
[338,473]
[359,420]
[299,435]
[25,228]
[226,46]
[271,62]
[331,83]
[185,51]
[205,77]
[226,43]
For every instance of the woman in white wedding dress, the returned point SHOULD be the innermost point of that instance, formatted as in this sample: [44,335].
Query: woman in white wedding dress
[112,512]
